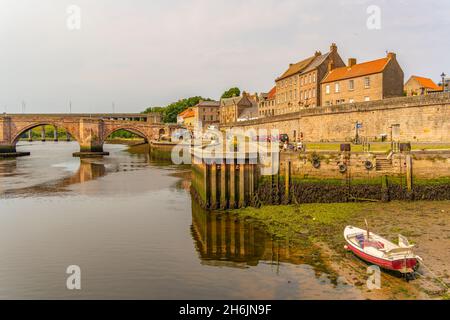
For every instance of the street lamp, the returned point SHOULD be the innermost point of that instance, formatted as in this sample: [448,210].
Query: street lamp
[443,75]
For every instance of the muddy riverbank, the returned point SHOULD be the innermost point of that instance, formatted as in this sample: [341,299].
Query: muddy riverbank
[426,224]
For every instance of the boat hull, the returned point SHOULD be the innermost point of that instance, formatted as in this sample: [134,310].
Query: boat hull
[401,265]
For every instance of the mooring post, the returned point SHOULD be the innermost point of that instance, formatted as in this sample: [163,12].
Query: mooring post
[43,133]
[55,134]
[287,181]
[213,186]
[223,186]
[409,172]
[30,135]
[241,185]
[67,136]
[232,191]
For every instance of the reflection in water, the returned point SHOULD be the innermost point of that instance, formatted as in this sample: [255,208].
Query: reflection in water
[129,221]
[222,239]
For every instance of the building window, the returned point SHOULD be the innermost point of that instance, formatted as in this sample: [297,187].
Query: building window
[351,100]
[314,78]
[314,93]
[336,87]
[310,78]
[351,85]
[367,82]
[327,89]
[327,103]
[366,98]
[302,82]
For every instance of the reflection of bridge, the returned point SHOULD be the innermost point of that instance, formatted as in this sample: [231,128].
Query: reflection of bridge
[89,130]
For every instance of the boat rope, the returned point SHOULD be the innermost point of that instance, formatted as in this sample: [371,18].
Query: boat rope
[433,274]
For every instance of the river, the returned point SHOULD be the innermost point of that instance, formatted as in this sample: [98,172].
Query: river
[129,223]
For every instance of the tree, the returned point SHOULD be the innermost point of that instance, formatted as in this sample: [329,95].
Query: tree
[154,109]
[232,92]
[170,112]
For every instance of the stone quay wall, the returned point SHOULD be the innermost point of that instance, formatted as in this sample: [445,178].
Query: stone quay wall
[416,119]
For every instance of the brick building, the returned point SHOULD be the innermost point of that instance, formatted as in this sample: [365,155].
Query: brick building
[299,86]
[368,81]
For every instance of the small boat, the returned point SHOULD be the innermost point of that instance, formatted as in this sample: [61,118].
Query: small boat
[381,252]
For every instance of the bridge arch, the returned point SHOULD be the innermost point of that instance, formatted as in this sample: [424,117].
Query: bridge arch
[25,129]
[130,129]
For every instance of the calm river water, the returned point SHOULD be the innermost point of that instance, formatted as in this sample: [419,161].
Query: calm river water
[128,221]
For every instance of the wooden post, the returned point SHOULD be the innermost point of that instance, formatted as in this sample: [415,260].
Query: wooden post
[67,136]
[287,182]
[241,185]
[232,190]
[223,186]
[213,179]
[55,134]
[30,135]
[409,173]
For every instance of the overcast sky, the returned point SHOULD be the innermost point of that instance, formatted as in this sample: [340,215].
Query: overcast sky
[148,52]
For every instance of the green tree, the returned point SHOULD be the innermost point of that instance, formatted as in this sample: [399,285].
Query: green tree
[170,112]
[154,109]
[232,92]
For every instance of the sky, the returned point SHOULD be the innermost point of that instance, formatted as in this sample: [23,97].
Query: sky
[141,53]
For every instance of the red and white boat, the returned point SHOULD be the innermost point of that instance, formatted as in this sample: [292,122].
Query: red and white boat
[381,252]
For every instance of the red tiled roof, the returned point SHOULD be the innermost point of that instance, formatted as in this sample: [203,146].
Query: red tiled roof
[358,70]
[426,83]
[272,93]
[188,113]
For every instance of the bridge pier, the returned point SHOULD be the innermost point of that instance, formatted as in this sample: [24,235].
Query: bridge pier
[43,133]
[55,134]
[7,148]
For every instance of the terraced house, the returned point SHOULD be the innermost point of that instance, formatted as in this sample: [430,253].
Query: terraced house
[368,81]
[299,86]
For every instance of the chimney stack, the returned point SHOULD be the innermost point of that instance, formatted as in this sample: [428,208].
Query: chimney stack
[333,47]
[317,53]
[392,55]
[351,62]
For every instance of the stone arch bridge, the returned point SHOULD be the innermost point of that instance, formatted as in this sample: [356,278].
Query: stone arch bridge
[89,130]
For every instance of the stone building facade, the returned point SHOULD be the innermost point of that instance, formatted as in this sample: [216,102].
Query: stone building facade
[267,103]
[232,108]
[299,87]
[416,86]
[207,113]
[369,81]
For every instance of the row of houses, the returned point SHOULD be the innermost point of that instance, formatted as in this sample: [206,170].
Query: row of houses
[318,80]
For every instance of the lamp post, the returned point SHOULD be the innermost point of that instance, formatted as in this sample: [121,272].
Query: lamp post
[443,75]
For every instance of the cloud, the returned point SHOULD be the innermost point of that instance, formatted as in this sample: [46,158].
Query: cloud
[145,53]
